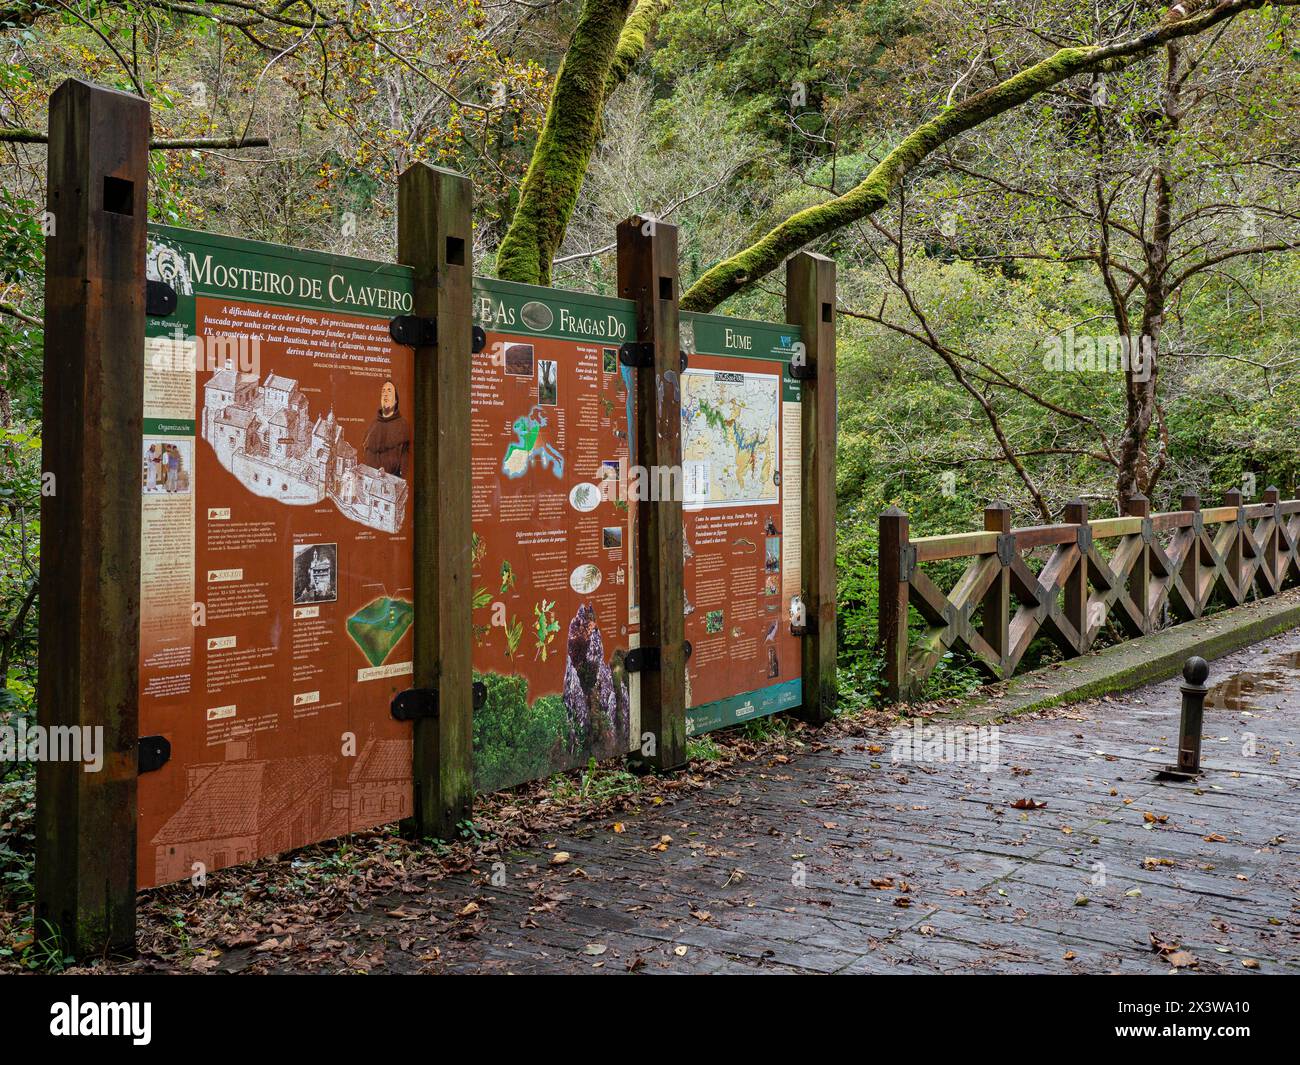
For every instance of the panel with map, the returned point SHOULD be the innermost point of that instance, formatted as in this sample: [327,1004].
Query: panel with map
[740,521]
[730,436]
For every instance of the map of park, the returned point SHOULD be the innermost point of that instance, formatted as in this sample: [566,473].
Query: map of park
[529,448]
[730,436]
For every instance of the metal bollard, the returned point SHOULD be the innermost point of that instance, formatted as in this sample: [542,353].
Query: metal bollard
[1195,672]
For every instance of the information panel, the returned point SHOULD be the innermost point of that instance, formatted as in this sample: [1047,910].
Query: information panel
[740,475]
[552,518]
[276,576]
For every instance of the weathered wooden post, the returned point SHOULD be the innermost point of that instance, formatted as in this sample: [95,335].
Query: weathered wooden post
[1139,576]
[90,512]
[1076,584]
[810,303]
[1271,548]
[1190,572]
[1235,593]
[996,606]
[647,275]
[897,559]
[435,238]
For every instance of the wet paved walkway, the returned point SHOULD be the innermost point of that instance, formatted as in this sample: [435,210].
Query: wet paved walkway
[843,860]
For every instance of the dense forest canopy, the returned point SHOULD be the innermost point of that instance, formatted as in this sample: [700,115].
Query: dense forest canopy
[1065,231]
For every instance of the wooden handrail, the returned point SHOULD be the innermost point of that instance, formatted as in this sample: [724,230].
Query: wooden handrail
[1179,562]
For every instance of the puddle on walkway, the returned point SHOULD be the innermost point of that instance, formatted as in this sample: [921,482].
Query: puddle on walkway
[1280,673]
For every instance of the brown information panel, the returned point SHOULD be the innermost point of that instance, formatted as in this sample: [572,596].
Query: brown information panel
[276,576]
[276,571]
[741,520]
[552,518]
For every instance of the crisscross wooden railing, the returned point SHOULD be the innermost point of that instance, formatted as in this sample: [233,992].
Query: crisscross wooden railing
[1134,570]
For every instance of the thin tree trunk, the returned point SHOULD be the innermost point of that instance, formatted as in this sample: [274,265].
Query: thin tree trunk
[1135,468]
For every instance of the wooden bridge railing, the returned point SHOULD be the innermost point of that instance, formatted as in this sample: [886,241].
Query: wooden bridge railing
[1125,569]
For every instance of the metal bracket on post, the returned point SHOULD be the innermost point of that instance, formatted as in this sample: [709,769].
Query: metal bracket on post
[645,659]
[1085,538]
[413,331]
[906,563]
[641,659]
[159,299]
[640,355]
[1148,532]
[803,371]
[154,753]
[416,703]
[637,354]
[1006,548]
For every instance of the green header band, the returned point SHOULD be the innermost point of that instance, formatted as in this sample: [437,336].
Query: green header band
[204,264]
[509,307]
[198,264]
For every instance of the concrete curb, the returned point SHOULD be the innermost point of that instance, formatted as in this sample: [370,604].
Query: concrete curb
[1146,660]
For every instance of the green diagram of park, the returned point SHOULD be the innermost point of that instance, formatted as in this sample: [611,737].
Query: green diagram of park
[379,626]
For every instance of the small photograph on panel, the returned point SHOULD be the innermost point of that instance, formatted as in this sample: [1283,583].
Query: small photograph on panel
[519,360]
[165,468]
[315,573]
[547,382]
[772,555]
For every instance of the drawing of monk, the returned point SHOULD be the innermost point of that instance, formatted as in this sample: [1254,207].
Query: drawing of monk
[388,440]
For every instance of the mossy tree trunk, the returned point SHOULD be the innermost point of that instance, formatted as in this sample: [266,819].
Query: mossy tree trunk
[564,147]
[746,267]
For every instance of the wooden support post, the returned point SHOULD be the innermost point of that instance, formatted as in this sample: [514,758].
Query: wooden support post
[435,237]
[1234,593]
[1272,545]
[98,178]
[1139,577]
[810,303]
[1191,568]
[1076,584]
[647,275]
[996,606]
[895,554]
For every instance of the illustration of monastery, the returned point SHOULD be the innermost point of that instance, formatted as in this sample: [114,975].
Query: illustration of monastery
[263,433]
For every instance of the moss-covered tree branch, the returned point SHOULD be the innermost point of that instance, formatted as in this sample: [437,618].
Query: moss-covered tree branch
[564,147]
[632,41]
[744,268]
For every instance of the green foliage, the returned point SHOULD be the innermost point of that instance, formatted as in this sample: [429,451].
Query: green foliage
[514,741]
[766,728]
[595,784]
[703,749]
